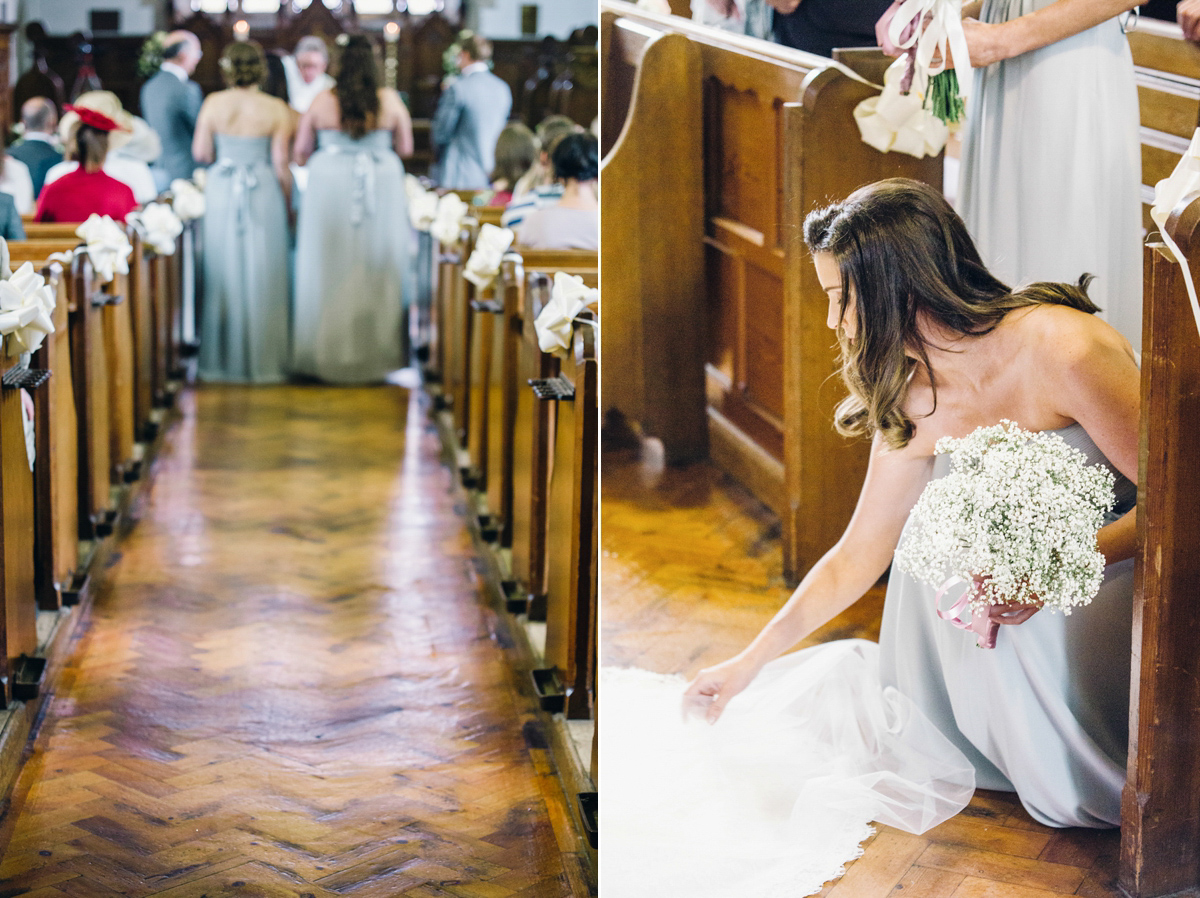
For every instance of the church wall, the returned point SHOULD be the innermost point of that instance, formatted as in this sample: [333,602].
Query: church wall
[67,16]
[501,19]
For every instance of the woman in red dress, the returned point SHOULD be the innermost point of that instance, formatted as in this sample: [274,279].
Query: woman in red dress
[76,195]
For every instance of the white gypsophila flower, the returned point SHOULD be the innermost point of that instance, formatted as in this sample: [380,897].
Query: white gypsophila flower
[1019,510]
[26,308]
[186,199]
[159,226]
[447,222]
[107,246]
[490,247]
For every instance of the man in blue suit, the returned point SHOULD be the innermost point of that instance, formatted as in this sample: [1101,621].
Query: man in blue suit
[470,116]
[39,118]
[170,104]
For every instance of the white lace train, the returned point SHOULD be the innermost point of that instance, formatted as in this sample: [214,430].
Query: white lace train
[778,795]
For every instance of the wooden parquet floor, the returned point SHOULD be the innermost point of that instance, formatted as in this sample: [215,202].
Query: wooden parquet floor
[289,684]
[691,569]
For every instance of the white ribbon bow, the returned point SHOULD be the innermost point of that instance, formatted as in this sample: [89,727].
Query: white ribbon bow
[26,308]
[556,321]
[1168,193]
[413,187]
[107,246]
[422,209]
[490,247]
[447,221]
[899,122]
[187,199]
[942,32]
[159,226]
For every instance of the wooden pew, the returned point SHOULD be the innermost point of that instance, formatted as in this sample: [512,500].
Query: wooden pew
[58,579]
[119,350]
[499,322]
[1160,817]
[18,593]
[141,310]
[90,372]
[1168,83]
[716,146]
[459,333]
[570,654]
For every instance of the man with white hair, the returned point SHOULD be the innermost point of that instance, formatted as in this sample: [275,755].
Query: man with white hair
[170,104]
[39,118]
[306,72]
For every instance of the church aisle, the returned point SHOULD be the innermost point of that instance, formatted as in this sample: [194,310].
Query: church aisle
[289,685]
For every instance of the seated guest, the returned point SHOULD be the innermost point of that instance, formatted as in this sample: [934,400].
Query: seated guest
[817,26]
[538,188]
[87,189]
[10,219]
[516,151]
[127,147]
[37,148]
[16,181]
[574,221]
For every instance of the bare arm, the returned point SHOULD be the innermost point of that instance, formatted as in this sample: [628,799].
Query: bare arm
[402,132]
[892,486]
[281,139]
[203,150]
[306,131]
[1053,23]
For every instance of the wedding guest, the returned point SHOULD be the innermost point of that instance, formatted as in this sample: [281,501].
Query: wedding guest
[128,167]
[17,182]
[574,221]
[244,136]
[170,102]
[305,72]
[539,187]
[87,189]
[11,227]
[354,280]
[516,152]
[470,115]
[37,149]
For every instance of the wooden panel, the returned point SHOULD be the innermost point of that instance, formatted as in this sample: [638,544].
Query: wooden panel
[741,148]
[763,327]
[90,372]
[1173,112]
[652,251]
[1160,46]
[1160,819]
[16,531]
[1157,163]
[142,314]
[118,339]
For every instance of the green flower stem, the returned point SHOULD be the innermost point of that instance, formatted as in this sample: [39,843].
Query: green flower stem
[942,98]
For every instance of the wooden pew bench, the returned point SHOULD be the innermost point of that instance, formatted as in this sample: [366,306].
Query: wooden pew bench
[715,148]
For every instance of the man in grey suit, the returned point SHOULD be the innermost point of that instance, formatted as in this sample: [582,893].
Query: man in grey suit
[470,116]
[39,118]
[170,104]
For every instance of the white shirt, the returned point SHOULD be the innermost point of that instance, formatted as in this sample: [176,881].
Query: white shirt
[175,70]
[39,135]
[301,93]
[18,183]
[128,171]
[474,67]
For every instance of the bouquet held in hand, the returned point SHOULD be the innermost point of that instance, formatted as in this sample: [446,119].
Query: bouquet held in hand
[930,32]
[1016,519]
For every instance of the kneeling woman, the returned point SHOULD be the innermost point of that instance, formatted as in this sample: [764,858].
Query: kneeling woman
[933,346]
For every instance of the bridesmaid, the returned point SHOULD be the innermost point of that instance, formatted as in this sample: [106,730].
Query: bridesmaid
[353,275]
[243,135]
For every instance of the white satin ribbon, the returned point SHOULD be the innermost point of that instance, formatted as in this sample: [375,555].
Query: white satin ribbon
[943,32]
[26,308]
[1168,193]
[186,199]
[107,246]
[447,221]
[556,322]
[244,181]
[490,247]
[159,226]
[898,122]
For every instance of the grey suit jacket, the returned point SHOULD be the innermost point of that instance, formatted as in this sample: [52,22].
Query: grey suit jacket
[10,220]
[170,107]
[470,116]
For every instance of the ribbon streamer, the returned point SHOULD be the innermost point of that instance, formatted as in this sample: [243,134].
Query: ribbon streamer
[555,323]
[1168,193]
[929,28]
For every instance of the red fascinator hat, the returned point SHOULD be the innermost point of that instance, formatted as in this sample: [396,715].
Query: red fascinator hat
[94,119]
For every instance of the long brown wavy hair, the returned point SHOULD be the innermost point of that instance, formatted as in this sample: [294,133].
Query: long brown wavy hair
[358,86]
[907,257]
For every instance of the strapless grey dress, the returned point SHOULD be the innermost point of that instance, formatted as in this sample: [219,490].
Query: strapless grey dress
[354,277]
[244,321]
[1045,713]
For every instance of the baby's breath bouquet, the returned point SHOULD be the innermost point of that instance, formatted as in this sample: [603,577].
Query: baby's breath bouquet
[1016,518]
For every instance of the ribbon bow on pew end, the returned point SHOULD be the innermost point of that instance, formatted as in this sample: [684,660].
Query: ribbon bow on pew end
[159,226]
[1169,193]
[107,246]
[490,246]
[555,323]
[27,305]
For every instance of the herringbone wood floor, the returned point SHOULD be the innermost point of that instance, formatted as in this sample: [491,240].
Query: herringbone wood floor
[691,569]
[289,685]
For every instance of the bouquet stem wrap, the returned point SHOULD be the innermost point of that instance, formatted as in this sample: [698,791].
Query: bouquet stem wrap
[929,28]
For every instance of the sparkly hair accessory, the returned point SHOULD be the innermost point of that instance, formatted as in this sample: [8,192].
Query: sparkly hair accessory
[94,119]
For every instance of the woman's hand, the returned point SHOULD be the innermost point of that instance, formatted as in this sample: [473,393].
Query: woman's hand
[1188,15]
[985,42]
[714,686]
